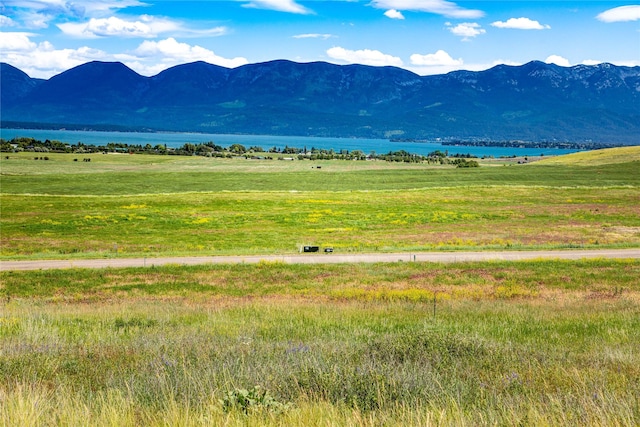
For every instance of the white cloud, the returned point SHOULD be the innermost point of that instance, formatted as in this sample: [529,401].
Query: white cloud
[171,52]
[16,42]
[144,26]
[313,36]
[394,14]
[289,6]
[443,69]
[365,57]
[558,60]
[43,60]
[632,63]
[501,62]
[107,27]
[39,13]
[440,7]
[32,20]
[440,58]
[75,7]
[94,7]
[520,24]
[5,21]
[466,30]
[620,14]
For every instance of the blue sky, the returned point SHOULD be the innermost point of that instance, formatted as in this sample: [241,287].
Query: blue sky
[46,37]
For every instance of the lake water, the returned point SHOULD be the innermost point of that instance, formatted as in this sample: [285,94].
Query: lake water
[175,140]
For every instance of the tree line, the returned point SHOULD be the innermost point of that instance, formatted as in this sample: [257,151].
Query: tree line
[211,149]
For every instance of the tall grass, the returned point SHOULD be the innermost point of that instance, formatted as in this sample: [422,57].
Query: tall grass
[566,355]
[162,361]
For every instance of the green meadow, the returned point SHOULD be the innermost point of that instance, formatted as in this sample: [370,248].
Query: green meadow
[531,343]
[138,205]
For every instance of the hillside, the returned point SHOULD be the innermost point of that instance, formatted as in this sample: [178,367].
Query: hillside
[607,156]
[532,102]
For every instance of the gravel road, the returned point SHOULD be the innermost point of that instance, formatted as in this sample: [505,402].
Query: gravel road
[334,258]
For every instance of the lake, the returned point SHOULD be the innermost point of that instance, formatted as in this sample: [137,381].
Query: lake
[175,140]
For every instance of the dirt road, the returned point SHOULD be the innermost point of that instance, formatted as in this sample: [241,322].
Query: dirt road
[333,258]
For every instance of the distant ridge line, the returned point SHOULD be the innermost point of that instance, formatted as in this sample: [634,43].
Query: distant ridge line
[532,102]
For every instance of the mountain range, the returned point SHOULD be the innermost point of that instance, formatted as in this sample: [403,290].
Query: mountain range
[532,102]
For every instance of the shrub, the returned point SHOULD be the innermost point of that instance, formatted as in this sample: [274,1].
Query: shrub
[252,400]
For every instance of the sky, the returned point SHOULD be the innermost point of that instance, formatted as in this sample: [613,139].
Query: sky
[46,37]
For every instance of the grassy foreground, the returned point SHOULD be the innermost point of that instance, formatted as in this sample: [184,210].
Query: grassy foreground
[525,343]
[414,344]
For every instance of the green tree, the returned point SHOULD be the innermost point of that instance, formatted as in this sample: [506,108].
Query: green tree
[189,147]
[237,148]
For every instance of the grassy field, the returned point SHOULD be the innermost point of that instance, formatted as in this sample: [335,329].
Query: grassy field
[131,175]
[525,343]
[530,343]
[596,157]
[119,205]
